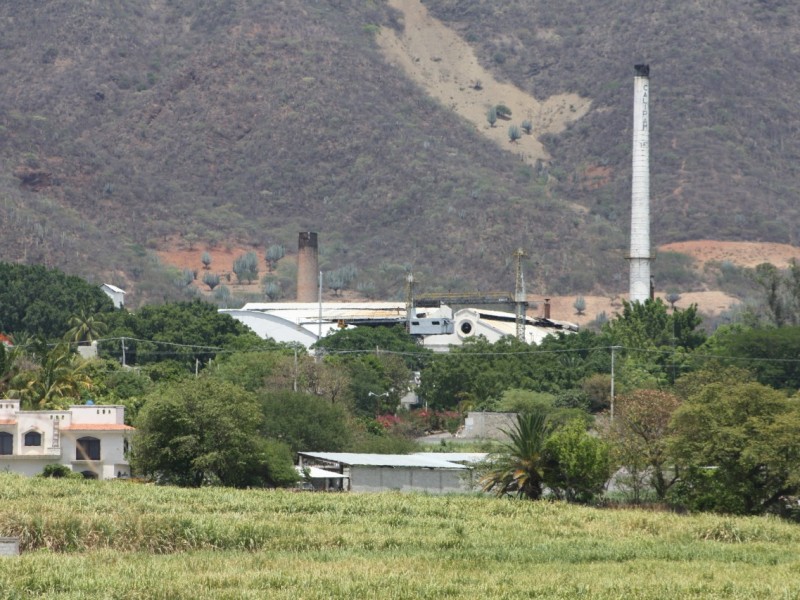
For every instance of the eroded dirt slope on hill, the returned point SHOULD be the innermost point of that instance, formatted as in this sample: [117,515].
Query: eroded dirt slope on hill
[444,64]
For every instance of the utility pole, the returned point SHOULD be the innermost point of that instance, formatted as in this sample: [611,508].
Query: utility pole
[520,299]
[409,300]
[294,378]
[613,348]
[319,324]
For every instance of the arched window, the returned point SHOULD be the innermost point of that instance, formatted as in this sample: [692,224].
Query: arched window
[6,443]
[87,448]
[33,438]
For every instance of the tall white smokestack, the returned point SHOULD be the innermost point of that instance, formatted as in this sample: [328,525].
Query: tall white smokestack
[640,187]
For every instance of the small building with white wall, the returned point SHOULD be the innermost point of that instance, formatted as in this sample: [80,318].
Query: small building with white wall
[116,294]
[89,439]
[488,425]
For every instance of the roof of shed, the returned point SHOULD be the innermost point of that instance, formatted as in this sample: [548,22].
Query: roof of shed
[317,473]
[456,457]
[383,460]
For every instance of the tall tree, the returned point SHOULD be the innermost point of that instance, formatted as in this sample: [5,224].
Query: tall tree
[59,380]
[639,436]
[769,353]
[656,343]
[40,301]
[737,448]
[85,328]
[206,431]
[305,422]
[183,331]
[577,463]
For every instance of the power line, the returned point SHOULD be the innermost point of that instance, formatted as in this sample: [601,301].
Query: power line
[429,355]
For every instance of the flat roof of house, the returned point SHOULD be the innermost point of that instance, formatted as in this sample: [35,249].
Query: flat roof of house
[383,460]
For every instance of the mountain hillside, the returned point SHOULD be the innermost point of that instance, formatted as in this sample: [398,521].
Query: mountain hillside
[132,129]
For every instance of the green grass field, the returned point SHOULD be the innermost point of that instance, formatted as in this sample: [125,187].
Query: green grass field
[125,540]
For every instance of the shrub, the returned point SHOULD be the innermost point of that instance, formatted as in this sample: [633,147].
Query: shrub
[503,112]
[211,280]
[57,471]
[246,267]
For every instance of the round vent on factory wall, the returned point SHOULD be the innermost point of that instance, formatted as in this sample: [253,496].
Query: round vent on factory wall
[466,328]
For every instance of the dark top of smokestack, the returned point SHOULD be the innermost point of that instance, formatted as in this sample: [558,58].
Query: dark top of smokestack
[307,239]
[642,70]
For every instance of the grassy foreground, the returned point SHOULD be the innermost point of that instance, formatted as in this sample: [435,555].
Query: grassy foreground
[123,540]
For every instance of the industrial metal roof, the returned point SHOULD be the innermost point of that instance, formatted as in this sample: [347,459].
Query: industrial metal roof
[456,457]
[317,473]
[383,460]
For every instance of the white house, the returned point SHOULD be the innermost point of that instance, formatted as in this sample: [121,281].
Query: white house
[91,440]
[116,294]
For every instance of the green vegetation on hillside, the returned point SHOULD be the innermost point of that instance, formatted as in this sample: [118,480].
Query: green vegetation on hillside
[129,128]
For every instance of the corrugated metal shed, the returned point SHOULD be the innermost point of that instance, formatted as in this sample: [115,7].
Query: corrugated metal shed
[464,458]
[317,473]
[352,459]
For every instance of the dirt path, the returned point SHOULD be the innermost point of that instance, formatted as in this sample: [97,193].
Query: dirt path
[446,67]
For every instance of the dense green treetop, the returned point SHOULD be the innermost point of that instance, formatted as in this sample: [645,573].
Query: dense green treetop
[577,464]
[305,422]
[251,370]
[206,431]
[651,324]
[193,323]
[477,373]
[40,301]
[368,339]
[775,353]
[737,448]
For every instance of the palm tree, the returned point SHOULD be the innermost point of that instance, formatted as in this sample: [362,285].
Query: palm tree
[519,466]
[59,380]
[85,328]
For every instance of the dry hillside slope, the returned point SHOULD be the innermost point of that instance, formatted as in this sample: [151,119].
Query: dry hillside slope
[446,67]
